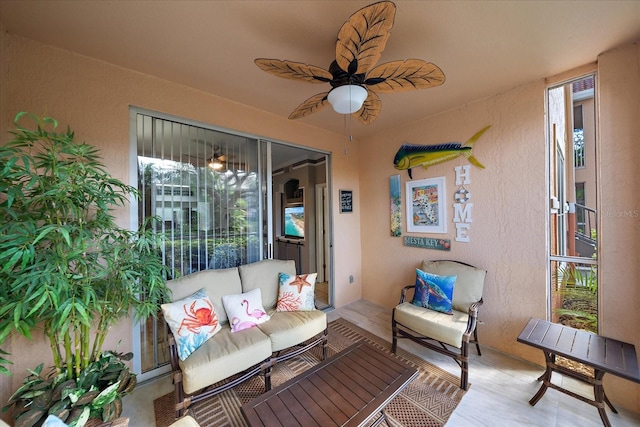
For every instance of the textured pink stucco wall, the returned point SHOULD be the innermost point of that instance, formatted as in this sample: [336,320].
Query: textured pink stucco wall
[93,97]
[508,232]
[619,207]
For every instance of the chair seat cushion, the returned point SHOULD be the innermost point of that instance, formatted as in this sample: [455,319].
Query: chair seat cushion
[447,328]
[289,328]
[225,354]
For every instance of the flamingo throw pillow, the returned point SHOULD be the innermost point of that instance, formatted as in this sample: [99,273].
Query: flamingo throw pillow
[192,321]
[245,310]
[296,293]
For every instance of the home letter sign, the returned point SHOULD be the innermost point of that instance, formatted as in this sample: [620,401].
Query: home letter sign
[461,208]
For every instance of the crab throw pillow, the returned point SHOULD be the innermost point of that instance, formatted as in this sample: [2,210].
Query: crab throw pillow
[192,321]
[296,292]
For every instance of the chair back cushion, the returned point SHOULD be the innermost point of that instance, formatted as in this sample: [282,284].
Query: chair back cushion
[469,283]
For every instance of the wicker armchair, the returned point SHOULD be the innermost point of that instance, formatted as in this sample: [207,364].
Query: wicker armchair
[445,333]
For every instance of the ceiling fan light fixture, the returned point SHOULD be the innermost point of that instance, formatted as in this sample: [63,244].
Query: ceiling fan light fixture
[215,164]
[347,99]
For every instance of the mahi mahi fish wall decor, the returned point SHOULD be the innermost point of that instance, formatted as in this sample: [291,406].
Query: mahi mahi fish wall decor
[411,156]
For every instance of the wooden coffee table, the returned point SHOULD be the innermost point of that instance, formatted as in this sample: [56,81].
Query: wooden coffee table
[347,389]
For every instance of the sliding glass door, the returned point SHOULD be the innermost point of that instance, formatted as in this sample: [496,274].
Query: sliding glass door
[220,198]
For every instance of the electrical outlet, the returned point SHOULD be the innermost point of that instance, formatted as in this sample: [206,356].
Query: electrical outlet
[351,279]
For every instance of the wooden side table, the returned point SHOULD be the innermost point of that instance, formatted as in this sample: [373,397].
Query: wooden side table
[601,353]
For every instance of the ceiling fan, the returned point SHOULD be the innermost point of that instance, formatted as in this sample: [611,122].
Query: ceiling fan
[354,80]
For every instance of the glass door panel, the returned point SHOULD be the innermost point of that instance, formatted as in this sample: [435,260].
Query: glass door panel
[203,185]
[221,200]
[573,228]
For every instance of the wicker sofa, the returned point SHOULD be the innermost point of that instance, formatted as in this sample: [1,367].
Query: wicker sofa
[236,356]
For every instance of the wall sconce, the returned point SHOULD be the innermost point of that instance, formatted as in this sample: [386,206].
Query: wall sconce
[347,99]
[215,163]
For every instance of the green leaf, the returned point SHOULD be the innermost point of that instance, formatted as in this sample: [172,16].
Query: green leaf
[106,396]
[43,233]
[73,394]
[84,417]
[37,371]
[43,299]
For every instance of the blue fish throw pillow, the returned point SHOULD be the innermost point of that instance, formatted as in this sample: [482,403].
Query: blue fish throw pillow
[434,292]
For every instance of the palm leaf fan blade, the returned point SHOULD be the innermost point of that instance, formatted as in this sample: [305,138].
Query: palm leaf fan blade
[403,76]
[311,105]
[364,36]
[293,70]
[370,109]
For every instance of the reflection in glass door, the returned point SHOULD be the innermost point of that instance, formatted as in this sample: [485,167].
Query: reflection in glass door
[297,211]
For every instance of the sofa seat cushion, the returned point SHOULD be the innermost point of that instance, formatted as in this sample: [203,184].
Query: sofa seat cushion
[289,328]
[442,327]
[223,355]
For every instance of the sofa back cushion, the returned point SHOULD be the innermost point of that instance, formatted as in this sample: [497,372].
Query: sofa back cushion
[216,283]
[265,275]
[469,282]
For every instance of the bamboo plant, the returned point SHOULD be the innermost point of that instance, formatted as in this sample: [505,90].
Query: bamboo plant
[66,265]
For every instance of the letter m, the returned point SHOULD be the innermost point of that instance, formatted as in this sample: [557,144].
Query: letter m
[462,212]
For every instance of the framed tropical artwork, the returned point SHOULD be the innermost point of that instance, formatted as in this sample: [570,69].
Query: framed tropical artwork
[426,205]
[396,205]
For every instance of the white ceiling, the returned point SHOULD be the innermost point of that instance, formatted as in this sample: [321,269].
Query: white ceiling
[483,47]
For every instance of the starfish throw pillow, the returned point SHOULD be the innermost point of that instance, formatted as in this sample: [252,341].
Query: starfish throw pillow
[296,292]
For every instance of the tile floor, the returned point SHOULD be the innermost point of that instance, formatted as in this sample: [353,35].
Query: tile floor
[501,386]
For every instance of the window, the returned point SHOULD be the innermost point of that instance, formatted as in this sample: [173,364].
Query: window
[209,215]
[573,230]
[204,186]
[578,137]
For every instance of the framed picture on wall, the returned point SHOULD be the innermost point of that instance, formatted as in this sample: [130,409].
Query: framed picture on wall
[426,205]
[346,201]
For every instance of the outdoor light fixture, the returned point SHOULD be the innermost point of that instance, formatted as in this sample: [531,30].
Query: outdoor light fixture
[347,99]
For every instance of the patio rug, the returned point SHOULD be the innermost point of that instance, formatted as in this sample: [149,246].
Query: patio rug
[427,401]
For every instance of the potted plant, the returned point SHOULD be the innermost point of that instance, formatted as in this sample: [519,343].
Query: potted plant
[68,268]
